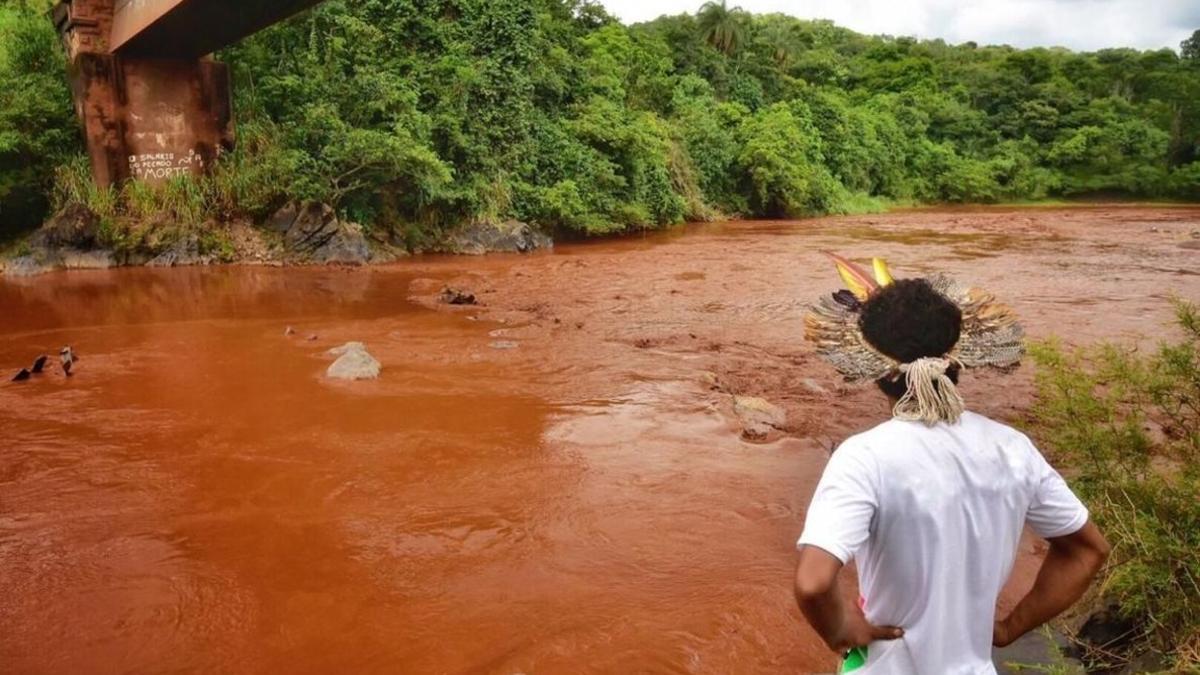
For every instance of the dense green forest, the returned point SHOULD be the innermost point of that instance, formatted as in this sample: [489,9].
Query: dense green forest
[416,115]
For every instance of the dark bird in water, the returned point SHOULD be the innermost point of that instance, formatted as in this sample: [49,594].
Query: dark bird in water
[38,364]
[21,376]
[68,358]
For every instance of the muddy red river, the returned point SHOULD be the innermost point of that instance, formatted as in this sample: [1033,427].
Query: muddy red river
[553,481]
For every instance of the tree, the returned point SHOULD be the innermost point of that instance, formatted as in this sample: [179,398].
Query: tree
[1189,49]
[721,26]
[780,39]
[38,128]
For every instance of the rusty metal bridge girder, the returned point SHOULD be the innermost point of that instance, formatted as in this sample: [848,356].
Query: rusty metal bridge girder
[192,28]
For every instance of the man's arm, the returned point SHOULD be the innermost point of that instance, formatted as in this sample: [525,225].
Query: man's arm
[819,600]
[1068,570]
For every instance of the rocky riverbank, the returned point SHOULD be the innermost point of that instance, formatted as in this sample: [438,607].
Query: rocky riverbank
[306,233]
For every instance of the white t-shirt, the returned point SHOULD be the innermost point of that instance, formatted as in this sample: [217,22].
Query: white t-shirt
[933,516]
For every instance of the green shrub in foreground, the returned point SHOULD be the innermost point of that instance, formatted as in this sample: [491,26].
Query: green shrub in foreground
[1125,426]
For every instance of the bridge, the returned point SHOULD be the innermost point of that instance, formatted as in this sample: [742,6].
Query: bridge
[152,101]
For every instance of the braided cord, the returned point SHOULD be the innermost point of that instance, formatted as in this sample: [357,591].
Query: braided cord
[931,396]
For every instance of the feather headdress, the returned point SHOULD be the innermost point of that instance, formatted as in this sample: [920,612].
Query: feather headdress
[990,336]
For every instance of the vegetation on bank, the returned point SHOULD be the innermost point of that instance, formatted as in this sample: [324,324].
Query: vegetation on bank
[416,115]
[1126,428]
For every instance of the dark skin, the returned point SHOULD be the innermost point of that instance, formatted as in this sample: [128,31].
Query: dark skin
[842,627]
[1069,568]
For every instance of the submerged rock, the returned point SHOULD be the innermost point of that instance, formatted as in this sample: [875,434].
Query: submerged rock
[25,266]
[67,357]
[184,251]
[511,236]
[68,240]
[73,259]
[312,233]
[759,417]
[814,386]
[455,296]
[353,363]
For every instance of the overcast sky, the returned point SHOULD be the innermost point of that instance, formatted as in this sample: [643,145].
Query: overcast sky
[1078,24]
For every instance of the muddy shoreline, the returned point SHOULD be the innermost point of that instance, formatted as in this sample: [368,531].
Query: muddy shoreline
[241,243]
[553,480]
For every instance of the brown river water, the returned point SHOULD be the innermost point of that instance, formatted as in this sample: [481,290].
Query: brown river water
[551,482]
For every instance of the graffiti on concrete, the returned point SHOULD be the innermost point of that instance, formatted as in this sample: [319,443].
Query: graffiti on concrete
[164,165]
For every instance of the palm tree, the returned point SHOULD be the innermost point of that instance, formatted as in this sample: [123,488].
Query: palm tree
[781,41]
[722,27]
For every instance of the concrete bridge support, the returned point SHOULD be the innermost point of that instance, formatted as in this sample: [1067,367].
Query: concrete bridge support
[152,103]
[144,117]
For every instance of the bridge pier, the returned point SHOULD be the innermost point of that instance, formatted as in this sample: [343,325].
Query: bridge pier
[144,117]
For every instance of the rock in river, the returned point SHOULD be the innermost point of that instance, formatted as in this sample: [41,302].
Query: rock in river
[353,363]
[511,236]
[311,232]
[25,266]
[67,240]
[74,227]
[759,417]
[456,296]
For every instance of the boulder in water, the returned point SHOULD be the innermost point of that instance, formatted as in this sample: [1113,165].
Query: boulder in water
[67,357]
[184,251]
[76,226]
[69,239]
[25,266]
[312,233]
[759,416]
[455,296]
[353,363]
[511,236]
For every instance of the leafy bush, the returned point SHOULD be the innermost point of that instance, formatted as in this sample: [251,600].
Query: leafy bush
[781,158]
[38,128]
[1126,426]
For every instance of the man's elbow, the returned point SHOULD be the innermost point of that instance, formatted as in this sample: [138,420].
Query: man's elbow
[1100,551]
[1088,547]
[816,574]
[811,587]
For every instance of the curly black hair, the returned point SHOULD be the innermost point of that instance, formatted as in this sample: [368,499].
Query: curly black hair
[907,320]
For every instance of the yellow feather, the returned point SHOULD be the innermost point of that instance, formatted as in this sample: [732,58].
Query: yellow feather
[852,282]
[882,274]
[857,281]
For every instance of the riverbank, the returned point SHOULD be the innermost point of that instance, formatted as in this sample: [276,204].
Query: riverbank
[571,474]
[297,234]
[312,234]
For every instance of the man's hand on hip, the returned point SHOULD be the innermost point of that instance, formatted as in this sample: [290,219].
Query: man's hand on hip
[842,627]
[856,631]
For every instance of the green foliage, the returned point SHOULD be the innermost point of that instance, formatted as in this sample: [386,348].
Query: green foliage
[417,115]
[1128,428]
[781,158]
[38,130]
[1189,49]
[722,27]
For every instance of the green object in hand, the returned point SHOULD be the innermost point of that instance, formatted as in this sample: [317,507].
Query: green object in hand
[855,658]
